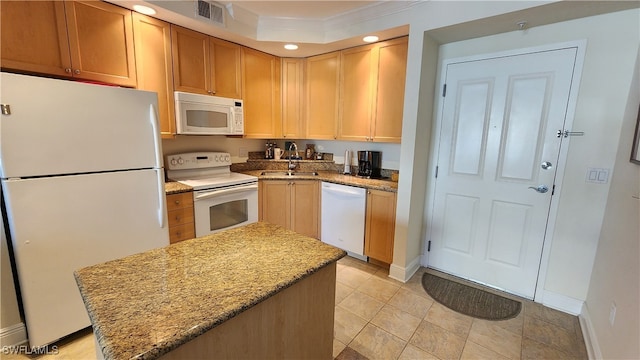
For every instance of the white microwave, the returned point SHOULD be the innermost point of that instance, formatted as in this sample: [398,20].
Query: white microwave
[208,115]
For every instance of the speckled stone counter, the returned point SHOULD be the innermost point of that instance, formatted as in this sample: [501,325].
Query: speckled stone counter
[172,187]
[146,305]
[332,177]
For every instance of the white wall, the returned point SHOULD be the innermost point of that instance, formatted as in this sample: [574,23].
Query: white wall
[238,148]
[608,68]
[616,271]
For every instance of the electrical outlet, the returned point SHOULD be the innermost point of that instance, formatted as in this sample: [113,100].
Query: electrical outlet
[612,313]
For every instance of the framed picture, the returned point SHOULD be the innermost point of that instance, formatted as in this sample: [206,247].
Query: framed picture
[635,149]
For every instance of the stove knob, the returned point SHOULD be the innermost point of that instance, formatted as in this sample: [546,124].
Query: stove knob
[180,161]
[227,158]
[173,161]
[217,158]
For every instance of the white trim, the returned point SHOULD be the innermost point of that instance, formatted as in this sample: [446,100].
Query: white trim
[580,45]
[562,302]
[589,334]
[404,273]
[13,335]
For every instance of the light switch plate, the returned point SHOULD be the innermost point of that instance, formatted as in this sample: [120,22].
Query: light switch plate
[597,175]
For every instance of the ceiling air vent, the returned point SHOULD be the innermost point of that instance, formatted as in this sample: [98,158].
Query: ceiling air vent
[211,11]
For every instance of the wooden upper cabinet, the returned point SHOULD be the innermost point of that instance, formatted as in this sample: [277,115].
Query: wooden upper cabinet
[226,68]
[191,64]
[292,98]
[90,40]
[153,66]
[372,91]
[34,37]
[322,96]
[357,80]
[101,42]
[261,94]
[389,99]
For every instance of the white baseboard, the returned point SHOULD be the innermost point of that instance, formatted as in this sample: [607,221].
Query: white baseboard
[562,302]
[13,335]
[589,334]
[404,273]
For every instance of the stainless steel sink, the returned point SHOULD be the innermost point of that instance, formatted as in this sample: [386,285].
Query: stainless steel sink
[289,173]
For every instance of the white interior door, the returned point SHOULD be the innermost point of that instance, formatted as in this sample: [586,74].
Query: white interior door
[497,155]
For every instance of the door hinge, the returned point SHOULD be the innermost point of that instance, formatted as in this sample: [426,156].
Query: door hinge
[436,172]
[553,189]
[429,246]
[444,90]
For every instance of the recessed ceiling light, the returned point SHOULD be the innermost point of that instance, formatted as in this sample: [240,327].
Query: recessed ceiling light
[291,47]
[370,38]
[144,9]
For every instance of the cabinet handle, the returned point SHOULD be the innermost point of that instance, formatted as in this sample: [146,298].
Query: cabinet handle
[76,71]
[67,70]
[177,202]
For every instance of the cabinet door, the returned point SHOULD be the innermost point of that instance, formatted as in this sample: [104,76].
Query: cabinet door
[101,42]
[261,94]
[191,65]
[34,37]
[276,199]
[153,66]
[357,84]
[391,73]
[305,202]
[380,225]
[226,68]
[292,98]
[322,96]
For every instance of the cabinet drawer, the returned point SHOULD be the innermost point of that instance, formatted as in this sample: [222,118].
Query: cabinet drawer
[178,201]
[180,216]
[181,232]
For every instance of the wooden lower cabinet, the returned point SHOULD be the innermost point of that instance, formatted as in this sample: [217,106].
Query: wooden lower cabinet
[293,204]
[181,217]
[380,225]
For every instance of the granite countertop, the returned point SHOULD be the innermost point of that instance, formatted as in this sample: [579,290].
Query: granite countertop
[144,305]
[330,176]
[173,187]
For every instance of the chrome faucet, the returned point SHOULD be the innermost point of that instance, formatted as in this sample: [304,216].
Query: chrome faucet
[291,164]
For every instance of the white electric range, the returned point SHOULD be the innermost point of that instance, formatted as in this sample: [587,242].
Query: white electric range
[222,199]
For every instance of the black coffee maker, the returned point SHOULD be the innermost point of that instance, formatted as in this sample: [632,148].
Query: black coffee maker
[369,164]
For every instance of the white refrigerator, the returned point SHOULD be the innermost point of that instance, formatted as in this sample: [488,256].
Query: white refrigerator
[82,182]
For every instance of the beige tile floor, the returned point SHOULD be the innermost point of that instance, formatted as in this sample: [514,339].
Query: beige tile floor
[377,317]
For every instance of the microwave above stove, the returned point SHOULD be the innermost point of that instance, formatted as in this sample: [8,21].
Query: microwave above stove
[208,115]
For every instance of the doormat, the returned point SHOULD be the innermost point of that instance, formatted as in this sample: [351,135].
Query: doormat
[469,300]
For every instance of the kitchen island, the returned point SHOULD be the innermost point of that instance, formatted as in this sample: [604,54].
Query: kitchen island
[258,291]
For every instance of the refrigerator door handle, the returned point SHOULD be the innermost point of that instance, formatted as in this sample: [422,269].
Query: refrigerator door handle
[153,117]
[162,201]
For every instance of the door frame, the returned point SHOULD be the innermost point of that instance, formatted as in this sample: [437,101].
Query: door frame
[434,151]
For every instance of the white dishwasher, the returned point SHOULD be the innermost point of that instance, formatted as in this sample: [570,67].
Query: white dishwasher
[342,217]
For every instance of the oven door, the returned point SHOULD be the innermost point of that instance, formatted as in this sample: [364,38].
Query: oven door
[223,209]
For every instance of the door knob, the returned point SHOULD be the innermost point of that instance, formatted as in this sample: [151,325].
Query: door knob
[546,165]
[541,188]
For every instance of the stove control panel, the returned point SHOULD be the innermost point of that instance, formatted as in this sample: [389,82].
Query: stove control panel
[197,160]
